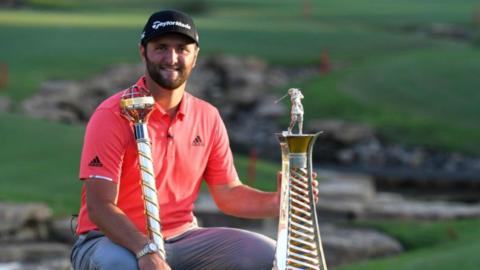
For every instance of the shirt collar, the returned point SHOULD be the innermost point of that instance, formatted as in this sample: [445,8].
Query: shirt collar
[182,108]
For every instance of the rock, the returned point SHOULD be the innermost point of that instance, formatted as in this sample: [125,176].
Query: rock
[344,132]
[24,221]
[61,230]
[25,238]
[348,245]
[370,152]
[346,186]
[54,102]
[52,264]
[268,108]
[343,195]
[74,102]
[5,104]
[393,206]
[449,31]
[32,251]
[353,196]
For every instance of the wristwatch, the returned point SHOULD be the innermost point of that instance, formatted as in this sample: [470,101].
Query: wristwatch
[149,248]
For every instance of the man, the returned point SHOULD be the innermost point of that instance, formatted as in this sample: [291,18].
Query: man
[189,143]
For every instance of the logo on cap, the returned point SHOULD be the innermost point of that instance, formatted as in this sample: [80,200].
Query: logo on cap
[158,24]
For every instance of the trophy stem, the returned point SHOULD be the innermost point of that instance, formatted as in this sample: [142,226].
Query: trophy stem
[149,190]
[136,104]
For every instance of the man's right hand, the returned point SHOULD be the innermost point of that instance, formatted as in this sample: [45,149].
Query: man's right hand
[152,261]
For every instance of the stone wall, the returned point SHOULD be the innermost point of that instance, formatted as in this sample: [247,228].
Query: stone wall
[30,238]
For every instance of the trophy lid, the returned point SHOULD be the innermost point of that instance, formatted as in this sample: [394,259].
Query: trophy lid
[136,103]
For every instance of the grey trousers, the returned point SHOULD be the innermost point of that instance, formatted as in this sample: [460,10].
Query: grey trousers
[197,249]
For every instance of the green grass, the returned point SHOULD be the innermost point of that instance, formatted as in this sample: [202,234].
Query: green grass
[265,172]
[462,255]
[39,162]
[416,235]
[441,245]
[45,45]
[109,5]
[60,52]
[409,98]
[41,45]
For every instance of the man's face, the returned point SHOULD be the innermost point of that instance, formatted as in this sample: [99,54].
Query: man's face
[170,59]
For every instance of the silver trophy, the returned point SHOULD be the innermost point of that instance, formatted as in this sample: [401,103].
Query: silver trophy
[136,104]
[299,245]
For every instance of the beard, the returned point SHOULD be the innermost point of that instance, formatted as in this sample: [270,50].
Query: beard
[155,72]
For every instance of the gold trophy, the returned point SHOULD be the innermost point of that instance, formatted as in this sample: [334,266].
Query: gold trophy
[299,245]
[136,104]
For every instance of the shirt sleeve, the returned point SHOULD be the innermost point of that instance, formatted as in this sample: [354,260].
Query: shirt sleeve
[220,166]
[104,146]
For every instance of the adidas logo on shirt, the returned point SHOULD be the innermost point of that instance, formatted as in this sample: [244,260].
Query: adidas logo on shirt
[95,162]
[198,141]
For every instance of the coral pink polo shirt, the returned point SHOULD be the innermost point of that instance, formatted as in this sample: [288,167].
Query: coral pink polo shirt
[191,147]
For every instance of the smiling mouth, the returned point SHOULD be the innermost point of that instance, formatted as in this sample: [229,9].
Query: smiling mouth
[170,68]
[171,73]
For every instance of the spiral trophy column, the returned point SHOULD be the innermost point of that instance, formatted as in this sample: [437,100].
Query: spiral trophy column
[136,104]
[299,244]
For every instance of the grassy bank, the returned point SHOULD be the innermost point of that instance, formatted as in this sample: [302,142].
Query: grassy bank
[441,245]
[409,98]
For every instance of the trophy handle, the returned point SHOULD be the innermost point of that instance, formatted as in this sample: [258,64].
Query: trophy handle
[136,104]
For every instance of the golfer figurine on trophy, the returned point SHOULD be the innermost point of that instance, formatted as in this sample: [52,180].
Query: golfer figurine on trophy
[299,244]
[296,112]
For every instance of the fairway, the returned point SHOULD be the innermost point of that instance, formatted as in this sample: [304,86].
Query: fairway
[392,79]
